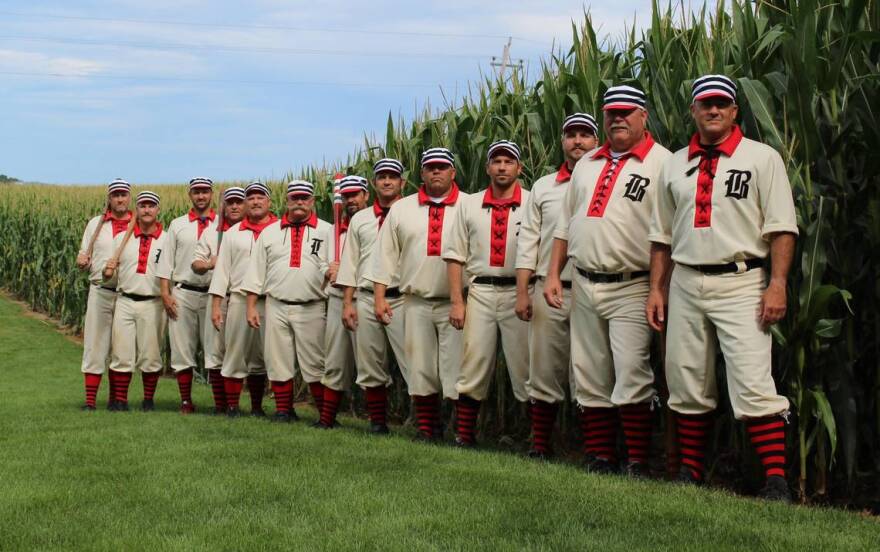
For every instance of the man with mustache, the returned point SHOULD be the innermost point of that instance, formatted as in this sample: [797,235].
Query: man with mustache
[339,341]
[374,339]
[288,265]
[205,258]
[483,244]
[186,303]
[549,342]
[603,228]
[409,246]
[243,345]
[724,206]
[102,294]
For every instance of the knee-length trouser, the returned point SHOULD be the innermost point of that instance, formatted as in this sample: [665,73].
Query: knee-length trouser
[610,343]
[373,340]
[187,332]
[243,344]
[432,347]
[97,331]
[214,340]
[549,348]
[490,310]
[702,307]
[339,348]
[294,340]
[138,331]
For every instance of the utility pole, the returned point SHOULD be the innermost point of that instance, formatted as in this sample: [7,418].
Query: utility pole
[505,60]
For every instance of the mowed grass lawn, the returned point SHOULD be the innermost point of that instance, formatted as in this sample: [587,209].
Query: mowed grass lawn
[100,481]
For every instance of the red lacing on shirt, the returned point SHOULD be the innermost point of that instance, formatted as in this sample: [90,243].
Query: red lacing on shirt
[297,231]
[500,216]
[436,212]
[610,172]
[706,177]
[146,240]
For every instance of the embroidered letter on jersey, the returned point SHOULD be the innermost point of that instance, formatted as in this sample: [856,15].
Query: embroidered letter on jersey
[737,184]
[635,188]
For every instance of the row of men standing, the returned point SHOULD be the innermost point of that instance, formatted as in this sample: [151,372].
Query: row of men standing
[642,227]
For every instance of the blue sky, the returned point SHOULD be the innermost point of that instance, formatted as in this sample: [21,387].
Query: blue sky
[160,91]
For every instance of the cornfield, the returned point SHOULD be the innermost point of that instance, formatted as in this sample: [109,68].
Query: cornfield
[809,86]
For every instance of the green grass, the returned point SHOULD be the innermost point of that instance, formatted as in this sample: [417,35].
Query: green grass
[159,481]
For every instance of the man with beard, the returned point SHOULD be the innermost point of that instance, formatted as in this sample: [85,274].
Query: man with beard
[243,357]
[549,343]
[483,243]
[186,304]
[94,252]
[372,337]
[205,258]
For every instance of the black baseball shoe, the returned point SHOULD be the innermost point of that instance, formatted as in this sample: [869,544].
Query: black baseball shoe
[379,429]
[147,405]
[121,406]
[638,470]
[233,412]
[113,405]
[540,455]
[283,417]
[258,413]
[87,408]
[776,489]
[602,466]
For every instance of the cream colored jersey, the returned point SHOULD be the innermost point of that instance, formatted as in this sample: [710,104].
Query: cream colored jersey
[184,233]
[483,235]
[411,241]
[606,211]
[535,241]
[363,231]
[206,247]
[235,252]
[720,206]
[331,254]
[139,261]
[104,245]
[289,261]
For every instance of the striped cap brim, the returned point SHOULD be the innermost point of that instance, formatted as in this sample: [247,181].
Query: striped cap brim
[256,188]
[714,86]
[147,196]
[437,155]
[236,192]
[578,120]
[503,146]
[388,165]
[623,97]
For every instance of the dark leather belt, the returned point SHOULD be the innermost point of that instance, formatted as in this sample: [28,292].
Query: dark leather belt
[295,303]
[727,268]
[606,278]
[390,293]
[108,288]
[188,287]
[566,284]
[499,280]
[136,297]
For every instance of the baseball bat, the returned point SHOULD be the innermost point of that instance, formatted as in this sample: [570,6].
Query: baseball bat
[118,253]
[97,232]
[337,216]
[220,224]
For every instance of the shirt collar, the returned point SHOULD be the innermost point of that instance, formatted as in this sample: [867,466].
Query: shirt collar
[311,221]
[450,199]
[490,201]
[193,216]
[727,147]
[246,224]
[108,215]
[564,174]
[154,234]
[380,211]
[640,151]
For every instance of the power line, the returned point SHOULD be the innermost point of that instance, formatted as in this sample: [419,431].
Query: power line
[266,27]
[266,49]
[225,81]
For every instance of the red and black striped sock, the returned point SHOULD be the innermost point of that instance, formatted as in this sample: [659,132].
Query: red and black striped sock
[330,405]
[92,382]
[185,384]
[693,434]
[316,388]
[256,389]
[599,428]
[466,412]
[218,389]
[123,380]
[377,404]
[232,391]
[427,413]
[151,381]
[636,422]
[543,417]
[283,391]
[768,438]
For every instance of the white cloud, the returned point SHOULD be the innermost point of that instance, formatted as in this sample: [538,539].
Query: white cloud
[22,61]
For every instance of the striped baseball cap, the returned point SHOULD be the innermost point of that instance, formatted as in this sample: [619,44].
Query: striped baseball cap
[580,120]
[709,86]
[300,187]
[118,185]
[201,182]
[623,97]
[147,196]
[388,164]
[437,155]
[235,192]
[256,188]
[503,146]
[352,184]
